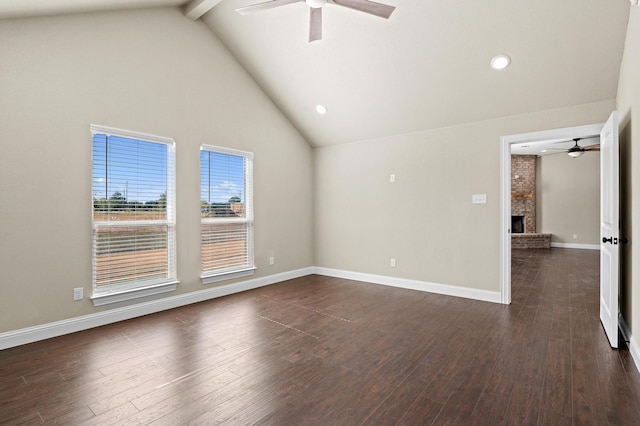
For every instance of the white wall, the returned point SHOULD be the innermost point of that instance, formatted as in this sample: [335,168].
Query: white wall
[150,71]
[425,220]
[568,200]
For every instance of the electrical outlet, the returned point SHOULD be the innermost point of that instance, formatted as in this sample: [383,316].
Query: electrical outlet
[77,293]
[392,178]
[272,260]
[392,263]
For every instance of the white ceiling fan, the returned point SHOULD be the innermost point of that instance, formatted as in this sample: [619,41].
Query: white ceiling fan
[315,22]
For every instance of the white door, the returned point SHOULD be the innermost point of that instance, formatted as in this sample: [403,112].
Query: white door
[609,228]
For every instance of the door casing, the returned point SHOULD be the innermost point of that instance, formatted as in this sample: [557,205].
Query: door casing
[505,189]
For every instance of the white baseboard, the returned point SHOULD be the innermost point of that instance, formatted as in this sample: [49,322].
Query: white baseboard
[449,290]
[576,246]
[58,328]
[634,348]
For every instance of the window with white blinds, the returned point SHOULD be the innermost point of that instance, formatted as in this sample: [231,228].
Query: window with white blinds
[226,208]
[133,186]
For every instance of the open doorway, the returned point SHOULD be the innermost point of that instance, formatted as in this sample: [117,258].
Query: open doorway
[507,142]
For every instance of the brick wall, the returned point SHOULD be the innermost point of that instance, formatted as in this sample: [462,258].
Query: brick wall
[530,241]
[523,190]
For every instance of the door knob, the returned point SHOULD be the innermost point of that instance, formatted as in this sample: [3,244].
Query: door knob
[607,240]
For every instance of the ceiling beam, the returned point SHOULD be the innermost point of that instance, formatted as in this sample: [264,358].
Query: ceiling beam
[196,8]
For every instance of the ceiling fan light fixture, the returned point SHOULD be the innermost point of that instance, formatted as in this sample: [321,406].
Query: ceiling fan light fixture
[575,154]
[500,62]
[315,3]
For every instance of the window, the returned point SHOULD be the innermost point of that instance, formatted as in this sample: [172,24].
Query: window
[226,187]
[133,185]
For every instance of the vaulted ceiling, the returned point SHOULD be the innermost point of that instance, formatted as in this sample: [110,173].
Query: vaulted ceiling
[425,67]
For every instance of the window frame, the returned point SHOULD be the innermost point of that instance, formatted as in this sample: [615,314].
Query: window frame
[132,290]
[225,273]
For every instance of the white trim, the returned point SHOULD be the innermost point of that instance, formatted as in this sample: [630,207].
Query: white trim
[103,295]
[130,134]
[218,274]
[505,221]
[58,328]
[23,336]
[223,220]
[505,189]
[221,276]
[449,290]
[634,348]
[130,223]
[224,150]
[576,246]
[135,293]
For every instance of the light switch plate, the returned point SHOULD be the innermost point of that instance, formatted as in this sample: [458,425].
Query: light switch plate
[479,198]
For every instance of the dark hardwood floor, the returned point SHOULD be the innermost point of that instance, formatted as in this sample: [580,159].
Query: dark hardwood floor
[327,351]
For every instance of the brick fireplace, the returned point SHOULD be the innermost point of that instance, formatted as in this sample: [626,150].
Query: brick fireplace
[523,204]
[523,190]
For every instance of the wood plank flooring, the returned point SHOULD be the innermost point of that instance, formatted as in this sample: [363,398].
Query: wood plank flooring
[327,351]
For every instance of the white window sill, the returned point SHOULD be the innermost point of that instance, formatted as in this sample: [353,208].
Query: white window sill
[221,276]
[121,296]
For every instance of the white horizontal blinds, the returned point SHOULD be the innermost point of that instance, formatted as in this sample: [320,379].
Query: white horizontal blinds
[226,210]
[133,212]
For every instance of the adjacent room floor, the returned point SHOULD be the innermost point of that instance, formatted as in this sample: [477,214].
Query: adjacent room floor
[327,351]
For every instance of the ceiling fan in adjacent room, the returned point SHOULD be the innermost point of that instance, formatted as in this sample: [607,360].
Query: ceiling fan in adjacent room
[576,150]
[315,21]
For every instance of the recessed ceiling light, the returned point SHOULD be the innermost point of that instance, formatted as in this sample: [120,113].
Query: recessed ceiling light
[500,62]
[321,109]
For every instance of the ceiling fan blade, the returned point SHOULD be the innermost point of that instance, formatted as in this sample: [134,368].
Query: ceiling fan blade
[592,148]
[259,7]
[315,24]
[578,140]
[371,7]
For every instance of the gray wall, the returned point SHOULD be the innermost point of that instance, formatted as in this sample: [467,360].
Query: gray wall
[628,104]
[150,71]
[425,220]
[569,198]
